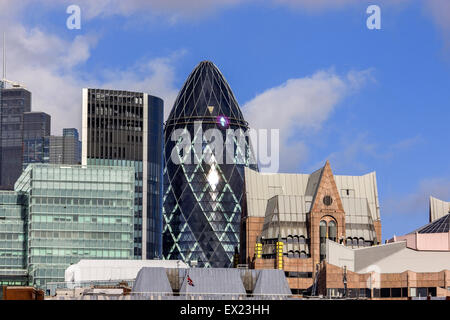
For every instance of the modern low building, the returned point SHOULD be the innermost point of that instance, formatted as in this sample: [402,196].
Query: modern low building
[287,219]
[389,271]
[13,212]
[113,270]
[174,283]
[122,128]
[416,265]
[435,236]
[75,212]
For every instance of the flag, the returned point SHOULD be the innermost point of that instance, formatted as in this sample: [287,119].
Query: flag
[189,280]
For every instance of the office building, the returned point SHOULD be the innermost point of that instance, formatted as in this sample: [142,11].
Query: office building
[13,103]
[65,149]
[13,212]
[36,129]
[74,213]
[288,217]
[122,128]
[204,190]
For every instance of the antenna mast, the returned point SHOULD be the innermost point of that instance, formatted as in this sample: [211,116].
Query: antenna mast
[3,80]
[4,56]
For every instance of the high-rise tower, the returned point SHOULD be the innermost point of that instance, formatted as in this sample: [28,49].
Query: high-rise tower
[122,128]
[203,191]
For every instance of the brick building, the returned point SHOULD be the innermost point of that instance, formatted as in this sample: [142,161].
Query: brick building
[287,218]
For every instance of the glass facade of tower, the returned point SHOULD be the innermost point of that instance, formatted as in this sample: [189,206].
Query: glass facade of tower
[13,212]
[202,199]
[36,129]
[74,213]
[122,128]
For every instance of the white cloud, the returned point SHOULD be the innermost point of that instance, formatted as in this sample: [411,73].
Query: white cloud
[417,202]
[333,4]
[44,63]
[440,12]
[47,65]
[156,77]
[301,104]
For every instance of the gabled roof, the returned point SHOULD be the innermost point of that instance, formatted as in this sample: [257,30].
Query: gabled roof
[152,280]
[213,280]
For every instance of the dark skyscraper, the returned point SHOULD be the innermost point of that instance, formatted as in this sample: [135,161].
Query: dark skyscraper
[13,103]
[36,127]
[202,201]
[122,128]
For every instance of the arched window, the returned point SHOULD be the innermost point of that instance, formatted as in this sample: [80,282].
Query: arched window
[289,239]
[323,237]
[291,254]
[295,238]
[301,240]
[355,242]
[303,255]
[332,230]
[349,242]
[361,242]
[297,254]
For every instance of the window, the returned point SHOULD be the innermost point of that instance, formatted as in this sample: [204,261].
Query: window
[396,292]
[301,240]
[323,236]
[332,231]
[385,292]
[361,242]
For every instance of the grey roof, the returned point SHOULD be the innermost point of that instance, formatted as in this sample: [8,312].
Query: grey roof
[152,280]
[440,225]
[272,282]
[213,280]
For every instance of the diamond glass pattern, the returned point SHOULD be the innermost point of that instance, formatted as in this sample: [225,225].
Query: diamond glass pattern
[202,201]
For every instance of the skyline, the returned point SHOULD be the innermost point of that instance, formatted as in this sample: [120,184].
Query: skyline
[361,105]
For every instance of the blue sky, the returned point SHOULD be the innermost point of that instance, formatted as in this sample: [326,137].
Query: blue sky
[367,100]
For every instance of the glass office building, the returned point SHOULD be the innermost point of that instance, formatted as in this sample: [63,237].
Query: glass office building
[13,212]
[122,128]
[36,129]
[202,199]
[73,213]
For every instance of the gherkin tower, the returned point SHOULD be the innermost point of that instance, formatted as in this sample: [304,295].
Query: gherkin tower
[202,195]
